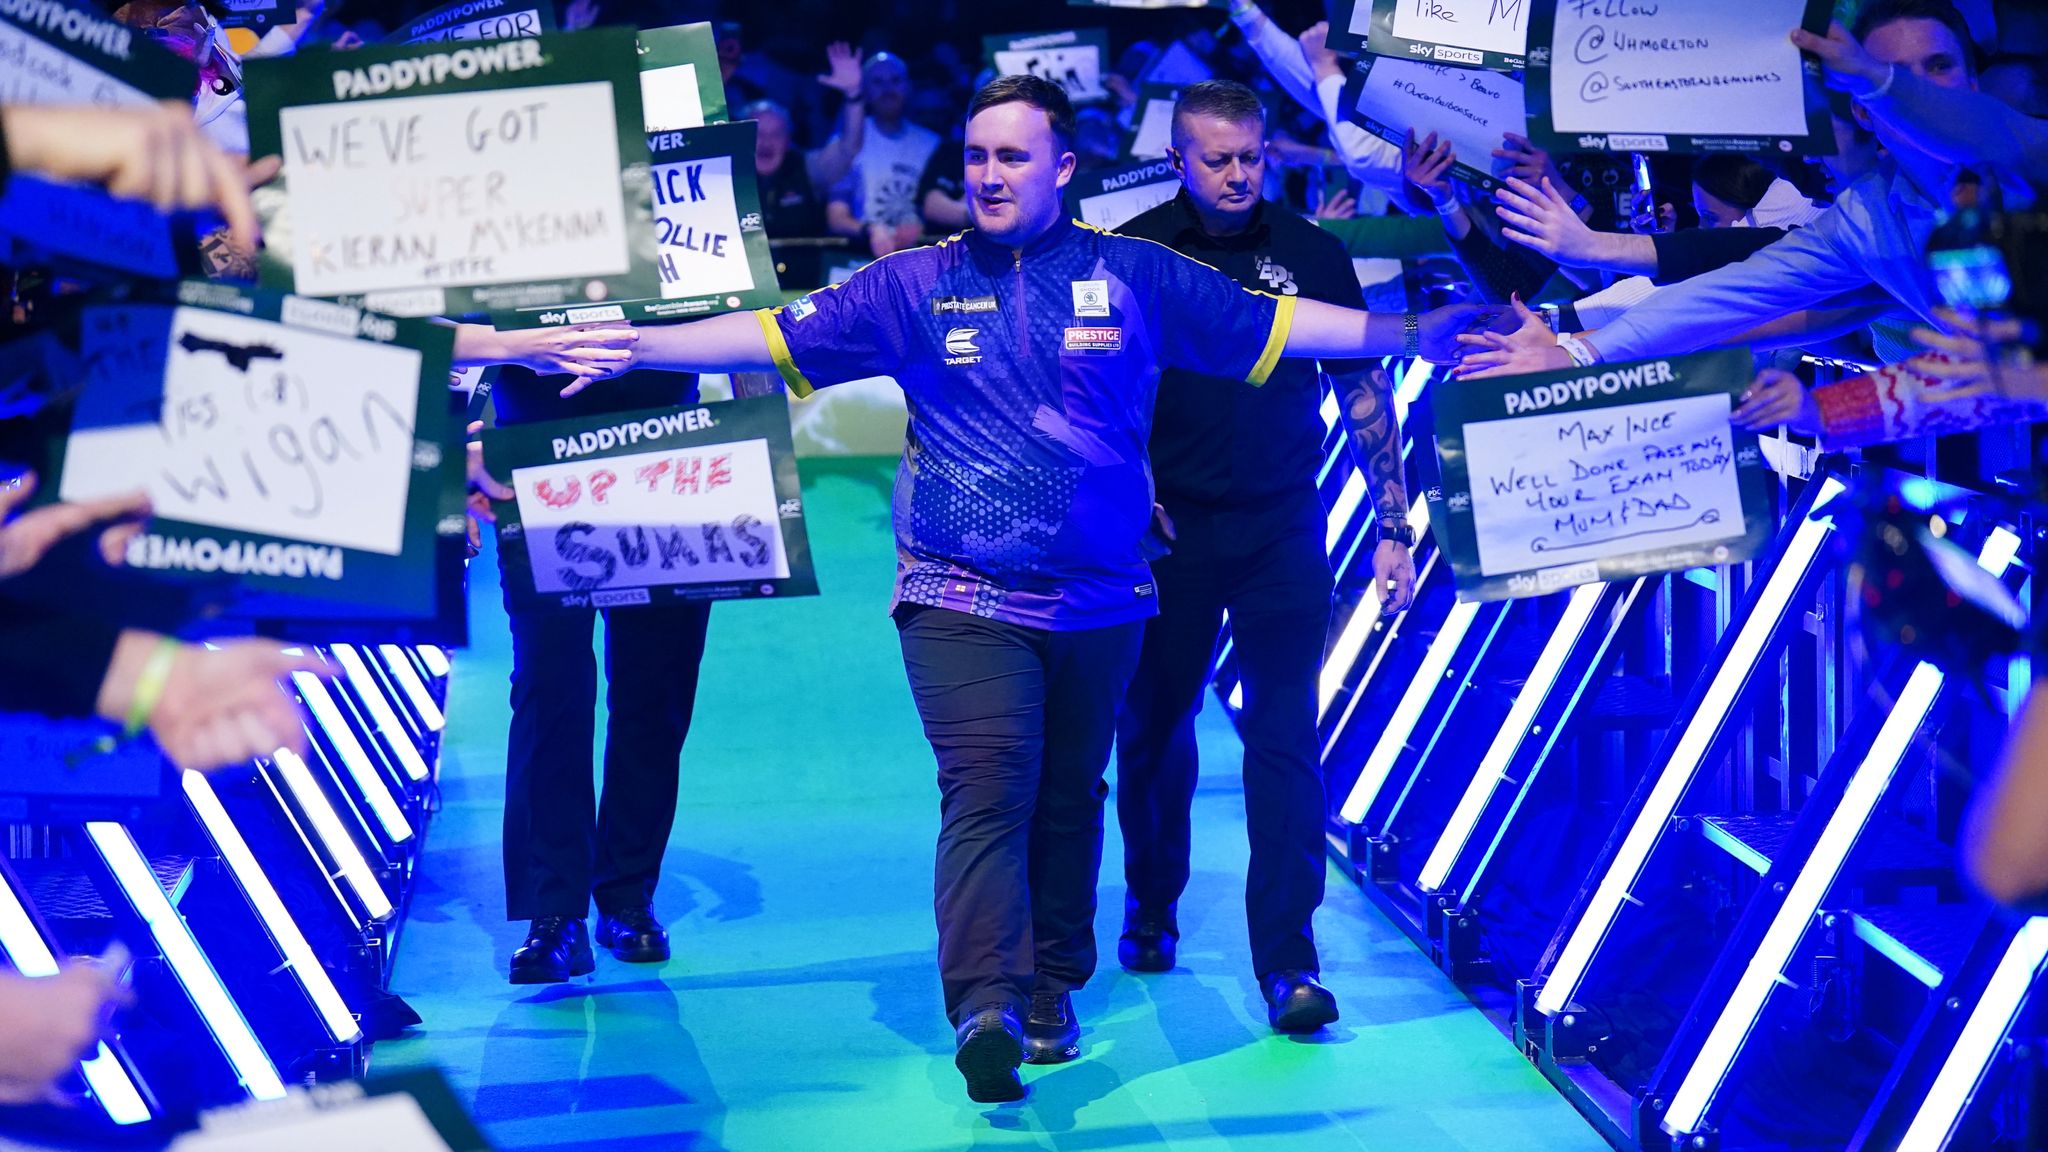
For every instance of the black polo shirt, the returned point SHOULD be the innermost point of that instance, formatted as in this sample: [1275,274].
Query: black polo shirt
[1220,441]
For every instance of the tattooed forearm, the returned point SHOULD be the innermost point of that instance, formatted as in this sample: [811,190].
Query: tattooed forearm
[1366,400]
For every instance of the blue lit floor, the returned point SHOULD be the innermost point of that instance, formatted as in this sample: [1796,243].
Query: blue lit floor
[802,1008]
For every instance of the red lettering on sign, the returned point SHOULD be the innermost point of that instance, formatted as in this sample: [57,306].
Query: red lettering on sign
[568,495]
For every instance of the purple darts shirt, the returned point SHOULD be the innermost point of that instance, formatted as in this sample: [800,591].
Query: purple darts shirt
[1024,494]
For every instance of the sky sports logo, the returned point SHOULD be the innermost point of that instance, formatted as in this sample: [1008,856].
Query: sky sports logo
[1625,142]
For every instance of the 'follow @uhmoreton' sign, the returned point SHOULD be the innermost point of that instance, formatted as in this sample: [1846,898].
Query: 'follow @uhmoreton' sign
[1601,473]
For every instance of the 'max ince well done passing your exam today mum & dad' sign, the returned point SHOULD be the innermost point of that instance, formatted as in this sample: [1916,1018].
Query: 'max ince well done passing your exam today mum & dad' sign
[444,179]
[652,507]
[1600,473]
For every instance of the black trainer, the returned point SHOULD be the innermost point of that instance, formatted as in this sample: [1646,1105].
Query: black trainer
[556,948]
[991,1046]
[1296,1003]
[1148,943]
[1051,1033]
[633,936]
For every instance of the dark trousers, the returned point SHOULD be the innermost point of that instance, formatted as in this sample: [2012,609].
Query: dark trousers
[1266,567]
[1021,721]
[563,847]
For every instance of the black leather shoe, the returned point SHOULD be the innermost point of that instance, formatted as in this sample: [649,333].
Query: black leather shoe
[633,935]
[990,1048]
[1296,1003]
[556,948]
[1148,944]
[1051,1033]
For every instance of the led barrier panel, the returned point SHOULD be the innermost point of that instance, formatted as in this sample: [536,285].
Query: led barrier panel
[1990,1021]
[1729,679]
[354,757]
[1408,712]
[333,834]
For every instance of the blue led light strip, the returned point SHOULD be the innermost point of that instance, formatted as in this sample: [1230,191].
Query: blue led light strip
[195,974]
[30,955]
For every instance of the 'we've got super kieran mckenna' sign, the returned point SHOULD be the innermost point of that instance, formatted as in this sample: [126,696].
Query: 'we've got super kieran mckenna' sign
[455,177]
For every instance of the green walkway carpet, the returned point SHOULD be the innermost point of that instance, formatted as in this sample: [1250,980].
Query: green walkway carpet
[802,1011]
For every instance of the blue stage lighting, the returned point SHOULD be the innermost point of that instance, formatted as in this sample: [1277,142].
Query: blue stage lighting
[414,688]
[334,835]
[277,920]
[1356,630]
[193,971]
[381,712]
[369,783]
[434,658]
[1989,1023]
[1408,711]
[1561,983]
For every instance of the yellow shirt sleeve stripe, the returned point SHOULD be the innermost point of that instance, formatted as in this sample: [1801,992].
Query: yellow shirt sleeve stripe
[1276,342]
[778,350]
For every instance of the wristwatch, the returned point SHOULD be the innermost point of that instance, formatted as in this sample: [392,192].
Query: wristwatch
[1395,529]
[1411,336]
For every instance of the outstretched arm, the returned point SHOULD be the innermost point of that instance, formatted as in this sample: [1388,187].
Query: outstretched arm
[734,342]
[1335,333]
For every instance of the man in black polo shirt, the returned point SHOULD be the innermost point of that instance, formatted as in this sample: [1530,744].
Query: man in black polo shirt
[1235,470]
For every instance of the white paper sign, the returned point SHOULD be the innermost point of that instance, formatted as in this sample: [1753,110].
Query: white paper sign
[498,26]
[1574,487]
[1074,67]
[698,515]
[1483,25]
[1473,109]
[669,99]
[1112,210]
[1155,131]
[259,428]
[1681,69]
[454,189]
[32,72]
[391,1123]
[697,228]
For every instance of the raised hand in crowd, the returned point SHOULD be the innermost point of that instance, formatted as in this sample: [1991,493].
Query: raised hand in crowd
[1527,162]
[589,352]
[843,69]
[1973,360]
[1777,398]
[207,706]
[1340,206]
[1849,68]
[1527,345]
[1322,59]
[1426,174]
[153,152]
[49,1023]
[1537,216]
[26,538]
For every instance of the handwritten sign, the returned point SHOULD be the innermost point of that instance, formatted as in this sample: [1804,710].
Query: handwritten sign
[711,246]
[652,507]
[1618,470]
[680,86]
[1110,197]
[304,448]
[1151,128]
[1634,77]
[55,53]
[480,20]
[502,174]
[1473,109]
[1471,33]
[1074,60]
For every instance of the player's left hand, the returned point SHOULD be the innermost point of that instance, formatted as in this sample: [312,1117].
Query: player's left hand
[1530,347]
[1393,576]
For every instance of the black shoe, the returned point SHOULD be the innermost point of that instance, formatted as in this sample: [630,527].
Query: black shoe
[1296,1003]
[1051,1033]
[990,1048]
[633,935]
[556,948]
[1148,944]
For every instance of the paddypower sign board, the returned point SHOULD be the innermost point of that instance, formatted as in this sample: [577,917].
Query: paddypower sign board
[52,52]
[302,452]
[652,507]
[1637,77]
[1600,473]
[712,250]
[455,177]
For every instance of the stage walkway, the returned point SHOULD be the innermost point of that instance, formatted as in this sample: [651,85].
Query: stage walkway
[802,1011]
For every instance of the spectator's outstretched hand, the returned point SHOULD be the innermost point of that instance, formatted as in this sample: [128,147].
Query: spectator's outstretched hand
[219,706]
[1426,172]
[1777,398]
[51,1022]
[1315,45]
[842,72]
[1538,218]
[1443,328]
[1526,161]
[26,538]
[1530,347]
[1849,67]
[153,152]
[1976,359]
